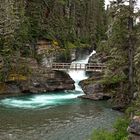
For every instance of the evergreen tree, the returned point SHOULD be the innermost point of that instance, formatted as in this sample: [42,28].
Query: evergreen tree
[118,78]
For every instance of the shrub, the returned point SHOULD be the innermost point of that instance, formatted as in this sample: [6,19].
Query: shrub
[120,126]
[119,133]
[102,135]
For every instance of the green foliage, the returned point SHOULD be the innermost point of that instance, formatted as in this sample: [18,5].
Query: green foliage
[102,135]
[67,21]
[71,45]
[103,47]
[113,79]
[119,132]
[63,2]
[137,59]
[134,108]
[120,127]
[116,50]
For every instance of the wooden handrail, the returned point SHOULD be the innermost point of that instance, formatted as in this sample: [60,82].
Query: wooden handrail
[78,66]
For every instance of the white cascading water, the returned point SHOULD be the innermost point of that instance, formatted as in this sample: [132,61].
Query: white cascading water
[79,75]
[51,99]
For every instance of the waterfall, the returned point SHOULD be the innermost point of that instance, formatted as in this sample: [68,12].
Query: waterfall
[52,99]
[78,75]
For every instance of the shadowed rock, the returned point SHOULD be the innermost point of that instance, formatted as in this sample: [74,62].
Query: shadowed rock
[134,128]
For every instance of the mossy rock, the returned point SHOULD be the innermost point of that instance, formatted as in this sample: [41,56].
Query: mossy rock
[16,77]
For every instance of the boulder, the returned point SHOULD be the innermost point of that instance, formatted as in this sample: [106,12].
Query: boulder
[133,137]
[134,126]
[119,107]
[93,90]
[96,96]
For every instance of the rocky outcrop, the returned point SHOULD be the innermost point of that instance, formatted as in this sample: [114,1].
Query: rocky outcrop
[49,81]
[98,58]
[92,86]
[83,51]
[93,89]
[38,80]
[96,96]
[134,128]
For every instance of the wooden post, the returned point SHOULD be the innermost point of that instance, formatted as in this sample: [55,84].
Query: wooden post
[63,66]
[88,66]
[85,67]
[75,66]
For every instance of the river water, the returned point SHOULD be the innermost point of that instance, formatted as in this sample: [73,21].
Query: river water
[54,116]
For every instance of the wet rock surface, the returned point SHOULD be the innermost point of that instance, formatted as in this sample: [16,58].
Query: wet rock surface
[134,128]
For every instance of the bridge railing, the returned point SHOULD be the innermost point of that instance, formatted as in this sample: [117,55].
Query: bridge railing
[61,66]
[78,66]
[95,67]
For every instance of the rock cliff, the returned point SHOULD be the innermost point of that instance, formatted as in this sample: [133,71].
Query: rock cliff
[37,80]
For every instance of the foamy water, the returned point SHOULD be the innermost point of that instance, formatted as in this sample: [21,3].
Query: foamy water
[79,75]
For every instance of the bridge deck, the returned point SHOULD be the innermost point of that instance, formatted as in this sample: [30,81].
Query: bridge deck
[78,66]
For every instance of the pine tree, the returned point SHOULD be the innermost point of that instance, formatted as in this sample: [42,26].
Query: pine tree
[120,48]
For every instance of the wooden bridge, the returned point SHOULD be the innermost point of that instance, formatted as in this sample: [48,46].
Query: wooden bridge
[78,66]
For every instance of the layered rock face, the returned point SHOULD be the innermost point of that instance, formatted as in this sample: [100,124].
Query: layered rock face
[134,128]
[49,81]
[37,80]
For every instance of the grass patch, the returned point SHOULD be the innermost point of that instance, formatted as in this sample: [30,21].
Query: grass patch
[119,131]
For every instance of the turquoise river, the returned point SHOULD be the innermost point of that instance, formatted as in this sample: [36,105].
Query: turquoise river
[54,116]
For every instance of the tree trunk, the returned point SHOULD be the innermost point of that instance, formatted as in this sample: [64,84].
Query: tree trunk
[131,50]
